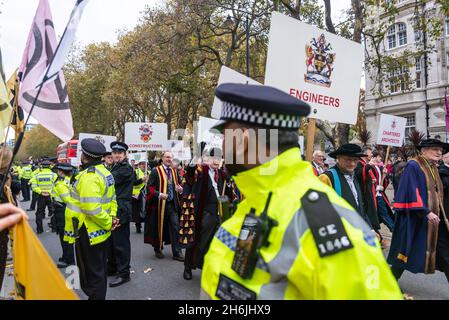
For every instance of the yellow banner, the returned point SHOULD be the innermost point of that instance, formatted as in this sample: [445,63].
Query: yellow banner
[35,274]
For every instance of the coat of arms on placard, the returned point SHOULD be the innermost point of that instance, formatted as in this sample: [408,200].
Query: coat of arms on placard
[145,131]
[100,138]
[319,61]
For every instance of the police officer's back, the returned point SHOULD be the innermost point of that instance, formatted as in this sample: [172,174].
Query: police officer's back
[292,237]
[93,208]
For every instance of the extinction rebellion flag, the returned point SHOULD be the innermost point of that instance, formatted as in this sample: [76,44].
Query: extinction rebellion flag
[42,56]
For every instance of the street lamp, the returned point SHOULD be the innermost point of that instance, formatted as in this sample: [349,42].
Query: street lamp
[229,23]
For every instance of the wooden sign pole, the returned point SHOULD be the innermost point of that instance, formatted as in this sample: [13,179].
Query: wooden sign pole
[311,128]
[385,164]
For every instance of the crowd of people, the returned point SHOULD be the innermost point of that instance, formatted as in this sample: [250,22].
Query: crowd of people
[246,229]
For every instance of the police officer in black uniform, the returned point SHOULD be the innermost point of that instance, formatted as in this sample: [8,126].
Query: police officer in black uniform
[119,256]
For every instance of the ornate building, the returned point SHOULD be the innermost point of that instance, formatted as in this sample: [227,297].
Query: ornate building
[408,90]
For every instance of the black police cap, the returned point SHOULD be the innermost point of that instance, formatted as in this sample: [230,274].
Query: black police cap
[260,106]
[64,166]
[119,146]
[46,163]
[93,148]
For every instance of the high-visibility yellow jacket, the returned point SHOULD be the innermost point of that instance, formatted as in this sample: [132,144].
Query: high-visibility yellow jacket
[93,203]
[291,266]
[43,181]
[62,190]
[26,172]
[136,188]
[34,173]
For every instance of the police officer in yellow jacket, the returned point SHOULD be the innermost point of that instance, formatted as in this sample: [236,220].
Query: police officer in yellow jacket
[25,176]
[292,237]
[42,184]
[93,209]
[61,197]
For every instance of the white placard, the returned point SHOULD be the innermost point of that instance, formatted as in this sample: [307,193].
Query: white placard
[141,136]
[138,156]
[315,66]
[183,155]
[213,140]
[179,151]
[228,75]
[105,140]
[391,130]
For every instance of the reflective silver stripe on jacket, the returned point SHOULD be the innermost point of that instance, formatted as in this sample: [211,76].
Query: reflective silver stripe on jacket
[101,200]
[230,241]
[283,261]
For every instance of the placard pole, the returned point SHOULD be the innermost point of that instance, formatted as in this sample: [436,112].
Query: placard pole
[311,128]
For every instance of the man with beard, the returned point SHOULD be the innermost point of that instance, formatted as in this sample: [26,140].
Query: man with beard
[420,242]
[163,208]
[292,235]
[200,216]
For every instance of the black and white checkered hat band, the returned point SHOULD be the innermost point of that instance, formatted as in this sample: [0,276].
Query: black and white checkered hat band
[282,121]
[90,154]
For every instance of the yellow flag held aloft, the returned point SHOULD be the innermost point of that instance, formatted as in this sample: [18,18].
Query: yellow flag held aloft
[12,86]
[36,276]
[5,107]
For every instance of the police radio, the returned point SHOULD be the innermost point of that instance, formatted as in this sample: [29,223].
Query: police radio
[253,236]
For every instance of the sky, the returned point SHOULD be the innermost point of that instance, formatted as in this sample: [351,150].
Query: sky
[101,21]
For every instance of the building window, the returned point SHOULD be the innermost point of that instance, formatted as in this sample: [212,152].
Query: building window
[418,72]
[410,124]
[402,34]
[391,37]
[399,79]
[417,35]
[447,26]
[397,35]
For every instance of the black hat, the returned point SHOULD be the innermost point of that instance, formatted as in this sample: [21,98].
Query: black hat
[348,149]
[260,105]
[46,163]
[64,166]
[93,148]
[119,146]
[108,153]
[433,143]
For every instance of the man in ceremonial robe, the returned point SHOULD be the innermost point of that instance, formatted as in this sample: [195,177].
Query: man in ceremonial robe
[163,208]
[420,237]
[200,216]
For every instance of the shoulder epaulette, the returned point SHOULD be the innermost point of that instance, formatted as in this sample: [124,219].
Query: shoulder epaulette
[325,224]
[91,169]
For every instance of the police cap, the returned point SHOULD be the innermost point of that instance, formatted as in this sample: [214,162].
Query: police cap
[119,146]
[64,166]
[259,105]
[46,163]
[92,148]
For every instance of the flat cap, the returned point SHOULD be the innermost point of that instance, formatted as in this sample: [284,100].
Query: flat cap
[260,105]
[46,163]
[119,146]
[64,166]
[93,148]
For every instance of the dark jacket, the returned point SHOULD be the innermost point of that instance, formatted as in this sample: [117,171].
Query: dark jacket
[346,193]
[365,176]
[124,180]
[444,175]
